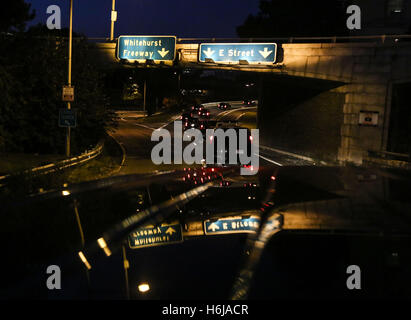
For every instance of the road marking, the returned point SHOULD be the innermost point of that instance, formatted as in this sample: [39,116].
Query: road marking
[144,126]
[289,154]
[166,124]
[224,113]
[269,160]
[240,115]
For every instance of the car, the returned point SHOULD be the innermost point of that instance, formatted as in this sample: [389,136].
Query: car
[224,106]
[190,123]
[203,125]
[197,108]
[248,102]
[224,154]
[204,113]
[186,116]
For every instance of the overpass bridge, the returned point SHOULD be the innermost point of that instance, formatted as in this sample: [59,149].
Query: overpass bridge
[359,77]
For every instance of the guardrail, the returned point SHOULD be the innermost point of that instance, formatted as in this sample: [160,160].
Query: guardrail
[53,167]
[387,154]
[330,39]
[388,159]
[334,39]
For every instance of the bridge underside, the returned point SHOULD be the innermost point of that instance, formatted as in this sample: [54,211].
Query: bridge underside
[311,100]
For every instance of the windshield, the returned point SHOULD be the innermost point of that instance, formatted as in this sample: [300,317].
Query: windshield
[253,165]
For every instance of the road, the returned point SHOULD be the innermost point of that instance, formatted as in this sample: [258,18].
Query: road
[135,136]
[325,201]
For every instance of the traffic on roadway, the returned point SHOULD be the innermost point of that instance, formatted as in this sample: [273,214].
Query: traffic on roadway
[201,231]
[177,154]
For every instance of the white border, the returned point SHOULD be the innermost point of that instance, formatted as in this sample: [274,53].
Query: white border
[229,232]
[157,244]
[175,47]
[244,44]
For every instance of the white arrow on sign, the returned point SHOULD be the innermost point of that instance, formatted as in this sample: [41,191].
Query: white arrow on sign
[213,227]
[170,231]
[265,53]
[163,52]
[209,52]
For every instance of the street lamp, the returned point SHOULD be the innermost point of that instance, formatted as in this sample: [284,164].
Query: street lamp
[143,287]
[68,132]
[113,19]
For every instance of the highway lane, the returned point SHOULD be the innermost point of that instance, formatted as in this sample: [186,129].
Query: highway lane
[179,270]
[135,136]
[267,155]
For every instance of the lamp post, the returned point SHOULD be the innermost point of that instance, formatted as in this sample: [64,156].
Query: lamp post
[113,19]
[68,132]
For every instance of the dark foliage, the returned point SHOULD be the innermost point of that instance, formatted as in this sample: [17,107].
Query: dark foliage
[296,18]
[14,15]
[33,68]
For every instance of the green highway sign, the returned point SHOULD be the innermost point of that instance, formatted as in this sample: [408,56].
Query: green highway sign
[155,236]
[67,118]
[231,225]
[253,53]
[156,48]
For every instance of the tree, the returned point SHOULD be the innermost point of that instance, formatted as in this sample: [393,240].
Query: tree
[35,68]
[15,15]
[293,18]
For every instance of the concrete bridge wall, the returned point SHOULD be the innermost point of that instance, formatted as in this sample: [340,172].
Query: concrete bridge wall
[365,73]
[368,71]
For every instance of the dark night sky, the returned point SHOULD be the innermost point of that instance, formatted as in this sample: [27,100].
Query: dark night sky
[183,18]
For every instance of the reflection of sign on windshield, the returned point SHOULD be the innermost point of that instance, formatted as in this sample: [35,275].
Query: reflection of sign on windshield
[232,225]
[150,236]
